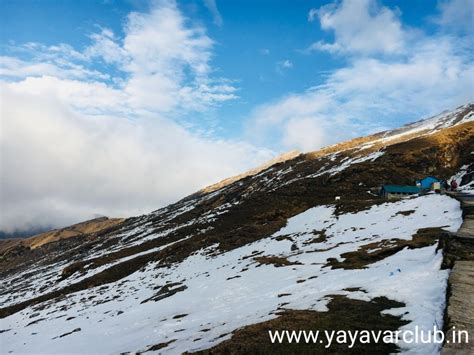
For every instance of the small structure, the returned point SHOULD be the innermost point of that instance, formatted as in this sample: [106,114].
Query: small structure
[398,191]
[427,182]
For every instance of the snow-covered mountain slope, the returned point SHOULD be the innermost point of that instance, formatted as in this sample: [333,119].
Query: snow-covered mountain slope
[426,127]
[461,115]
[194,302]
[188,276]
[436,123]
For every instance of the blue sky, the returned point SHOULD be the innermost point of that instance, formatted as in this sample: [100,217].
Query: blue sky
[147,101]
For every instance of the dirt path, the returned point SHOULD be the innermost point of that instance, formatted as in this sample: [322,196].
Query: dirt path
[460,302]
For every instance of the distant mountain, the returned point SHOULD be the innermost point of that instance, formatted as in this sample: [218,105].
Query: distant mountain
[44,237]
[302,243]
[23,234]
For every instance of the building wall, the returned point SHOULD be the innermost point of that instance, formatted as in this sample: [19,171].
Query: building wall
[394,196]
[426,182]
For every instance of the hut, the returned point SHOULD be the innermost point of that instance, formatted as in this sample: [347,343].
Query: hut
[427,182]
[398,191]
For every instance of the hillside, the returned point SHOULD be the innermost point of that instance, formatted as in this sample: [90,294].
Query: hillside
[17,246]
[270,249]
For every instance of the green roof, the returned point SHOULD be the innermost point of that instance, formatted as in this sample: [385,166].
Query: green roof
[399,189]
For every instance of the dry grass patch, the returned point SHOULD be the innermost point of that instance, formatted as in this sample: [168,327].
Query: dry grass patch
[276,261]
[343,314]
[373,252]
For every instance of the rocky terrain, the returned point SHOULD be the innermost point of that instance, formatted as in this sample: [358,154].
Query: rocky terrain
[304,243]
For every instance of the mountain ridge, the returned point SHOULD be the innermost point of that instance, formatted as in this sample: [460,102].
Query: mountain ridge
[37,240]
[462,114]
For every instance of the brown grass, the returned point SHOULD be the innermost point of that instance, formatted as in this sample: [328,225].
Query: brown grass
[276,261]
[373,252]
[344,314]
[37,241]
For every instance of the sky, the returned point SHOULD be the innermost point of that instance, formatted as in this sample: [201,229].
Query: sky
[119,108]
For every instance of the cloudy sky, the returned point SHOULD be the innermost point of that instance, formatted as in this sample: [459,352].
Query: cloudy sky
[118,108]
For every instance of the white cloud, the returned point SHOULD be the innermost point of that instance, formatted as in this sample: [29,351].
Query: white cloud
[360,26]
[15,68]
[164,61]
[283,65]
[457,15]
[212,7]
[393,74]
[76,142]
[106,46]
[60,166]
[312,15]
[368,94]
[286,64]
[304,132]
[95,98]
[163,52]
